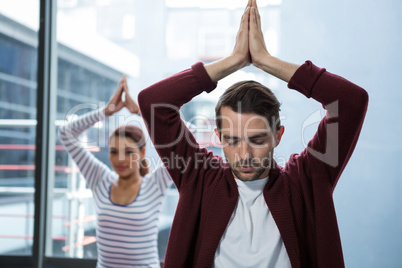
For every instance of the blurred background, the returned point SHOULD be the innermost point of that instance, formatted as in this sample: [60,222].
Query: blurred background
[98,41]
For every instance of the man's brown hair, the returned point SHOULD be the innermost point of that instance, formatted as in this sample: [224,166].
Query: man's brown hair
[250,97]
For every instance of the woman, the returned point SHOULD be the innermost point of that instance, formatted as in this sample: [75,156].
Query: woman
[128,200]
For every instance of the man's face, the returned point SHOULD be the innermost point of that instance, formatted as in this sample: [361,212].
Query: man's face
[248,144]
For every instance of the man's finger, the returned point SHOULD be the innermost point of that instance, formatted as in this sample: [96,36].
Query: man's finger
[249,4]
[244,20]
[245,15]
[253,20]
[253,3]
[258,17]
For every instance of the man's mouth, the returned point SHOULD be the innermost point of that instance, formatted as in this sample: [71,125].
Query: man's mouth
[246,168]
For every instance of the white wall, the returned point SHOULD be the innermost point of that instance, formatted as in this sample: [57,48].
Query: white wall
[361,41]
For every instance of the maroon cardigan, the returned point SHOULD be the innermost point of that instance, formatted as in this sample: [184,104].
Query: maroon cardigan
[298,195]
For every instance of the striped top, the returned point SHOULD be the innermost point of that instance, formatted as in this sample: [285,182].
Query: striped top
[126,234]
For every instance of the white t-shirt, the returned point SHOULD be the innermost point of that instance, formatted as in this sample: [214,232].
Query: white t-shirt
[251,238]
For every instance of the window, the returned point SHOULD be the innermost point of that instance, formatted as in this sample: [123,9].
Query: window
[18,91]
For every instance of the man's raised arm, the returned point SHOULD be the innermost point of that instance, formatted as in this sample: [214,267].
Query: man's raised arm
[346,103]
[160,104]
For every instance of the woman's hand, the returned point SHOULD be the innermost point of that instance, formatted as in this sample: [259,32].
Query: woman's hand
[131,105]
[116,101]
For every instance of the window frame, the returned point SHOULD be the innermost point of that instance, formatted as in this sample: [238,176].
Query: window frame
[45,142]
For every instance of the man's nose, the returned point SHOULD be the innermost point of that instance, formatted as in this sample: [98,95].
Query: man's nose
[245,150]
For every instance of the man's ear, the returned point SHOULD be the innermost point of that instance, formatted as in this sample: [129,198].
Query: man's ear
[217,134]
[278,135]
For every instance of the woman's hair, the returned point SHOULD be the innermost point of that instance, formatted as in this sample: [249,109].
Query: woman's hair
[250,97]
[136,134]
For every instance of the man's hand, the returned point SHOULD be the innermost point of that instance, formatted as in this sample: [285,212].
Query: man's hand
[241,49]
[250,48]
[258,49]
[116,101]
[240,56]
[260,56]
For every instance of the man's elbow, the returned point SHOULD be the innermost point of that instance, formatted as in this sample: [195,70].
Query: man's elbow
[360,103]
[364,99]
[143,102]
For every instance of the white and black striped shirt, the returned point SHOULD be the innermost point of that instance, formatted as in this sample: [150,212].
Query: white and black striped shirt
[126,234]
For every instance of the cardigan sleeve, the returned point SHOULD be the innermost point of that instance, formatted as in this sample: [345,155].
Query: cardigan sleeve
[174,142]
[328,152]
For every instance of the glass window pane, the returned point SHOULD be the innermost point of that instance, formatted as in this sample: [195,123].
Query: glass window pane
[18,69]
[97,42]
[91,60]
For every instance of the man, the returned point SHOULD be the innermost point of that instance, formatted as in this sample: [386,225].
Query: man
[247,211]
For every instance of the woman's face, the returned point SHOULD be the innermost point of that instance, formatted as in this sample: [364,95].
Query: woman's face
[125,156]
